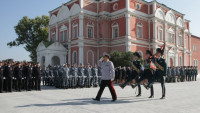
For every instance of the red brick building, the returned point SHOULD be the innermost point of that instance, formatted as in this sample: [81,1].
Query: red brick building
[84,29]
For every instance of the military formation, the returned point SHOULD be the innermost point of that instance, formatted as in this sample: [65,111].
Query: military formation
[68,76]
[19,76]
[182,74]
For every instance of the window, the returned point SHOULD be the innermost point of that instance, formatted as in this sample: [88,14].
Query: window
[138,6]
[139,30]
[90,30]
[53,37]
[115,30]
[75,30]
[180,40]
[74,57]
[160,34]
[195,62]
[63,33]
[171,36]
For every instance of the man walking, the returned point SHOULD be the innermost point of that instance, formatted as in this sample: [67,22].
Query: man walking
[108,75]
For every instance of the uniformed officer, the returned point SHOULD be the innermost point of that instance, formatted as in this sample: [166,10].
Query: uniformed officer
[18,75]
[95,76]
[99,75]
[1,78]
[7,72]
[173,72]
[196,72]
[182,74]
[108,75]
[88,74]
[66,77]
[189,73]
[81,76]
[160,73]
[148,73]
[37,75]
[74,76]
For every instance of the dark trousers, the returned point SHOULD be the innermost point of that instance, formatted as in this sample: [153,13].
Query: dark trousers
[37,84]
[1,84]
[19,84]
[139,89]
[195,77]
[105,83]
[162,81]
[9,84]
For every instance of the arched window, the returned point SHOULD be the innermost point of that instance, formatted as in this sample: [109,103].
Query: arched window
[90,30]
[115,30]
[75,30]
[180,40]
[180,61]
[53,36]
[74,57]
[63,33]
[90,57]
[140,53]
[195,62]
[139,30]
[171,36]
[160,33]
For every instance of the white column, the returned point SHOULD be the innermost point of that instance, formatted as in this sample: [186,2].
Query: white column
[128,43]
[69,54]
[81,54]
[190,50]
[128,5]
[176,58]
[81,17]
[165,35]
[155,30]
[176,38]
[154,7]
[70,26]
[56,31]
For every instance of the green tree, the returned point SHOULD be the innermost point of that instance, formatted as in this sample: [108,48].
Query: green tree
[30,33]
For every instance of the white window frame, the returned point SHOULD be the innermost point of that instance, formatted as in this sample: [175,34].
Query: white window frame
[115,26]
[92,57]
[90,26]
[62,31]
[74,59]
[172,33]
[137,4]
[180,40]
[75,34]
[53,36]
[139,25]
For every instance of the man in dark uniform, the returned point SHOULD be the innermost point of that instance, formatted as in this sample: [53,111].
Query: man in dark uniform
[18,75]
[27,75]
[1,78]
[37,74]
[136,71]
[148,73]
[160,73]
[7,72]
[189,73]
[196,73]
[182,73]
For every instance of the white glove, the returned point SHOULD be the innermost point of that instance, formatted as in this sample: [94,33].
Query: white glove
[101,59]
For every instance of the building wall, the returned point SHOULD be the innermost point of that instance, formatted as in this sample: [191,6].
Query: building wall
[116,12]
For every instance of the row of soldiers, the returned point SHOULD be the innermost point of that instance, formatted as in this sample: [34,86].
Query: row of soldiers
[68,76]
[182,73]
[18,77]
[174,74]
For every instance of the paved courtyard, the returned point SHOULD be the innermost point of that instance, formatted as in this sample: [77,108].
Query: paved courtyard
[180,98]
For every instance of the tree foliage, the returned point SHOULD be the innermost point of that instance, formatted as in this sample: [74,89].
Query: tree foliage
[30,32]
[122,58]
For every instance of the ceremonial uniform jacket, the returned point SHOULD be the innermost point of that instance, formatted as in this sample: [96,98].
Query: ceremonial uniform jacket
[163,64]
[138,66]
[107,70]
[81,71]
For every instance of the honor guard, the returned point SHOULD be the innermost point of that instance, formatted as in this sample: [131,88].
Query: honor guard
[88,74]
[1,78]
[7,72]
[95,76]
[81,76]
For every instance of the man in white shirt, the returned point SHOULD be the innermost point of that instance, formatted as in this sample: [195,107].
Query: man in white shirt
[108,75]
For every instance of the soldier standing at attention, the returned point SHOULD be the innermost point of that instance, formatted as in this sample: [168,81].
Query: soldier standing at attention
[196,72]
[18,76]
[1,78]
[37,74]
[7,72]
[108,75]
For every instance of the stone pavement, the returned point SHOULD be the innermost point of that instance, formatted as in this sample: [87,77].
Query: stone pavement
[180,98]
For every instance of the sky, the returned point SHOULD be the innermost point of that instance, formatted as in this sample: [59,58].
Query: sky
[13,10]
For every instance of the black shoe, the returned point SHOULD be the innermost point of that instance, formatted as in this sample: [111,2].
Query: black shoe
[139,95]
[151,96]
[96,99]
[163,97]
[113,100]
[121,86]
[133,85]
